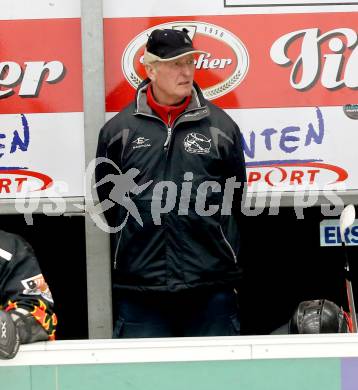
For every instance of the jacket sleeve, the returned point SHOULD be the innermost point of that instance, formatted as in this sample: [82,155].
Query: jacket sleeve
[102,168]
[237,225]
[25,293]
[108,165]
[238,169]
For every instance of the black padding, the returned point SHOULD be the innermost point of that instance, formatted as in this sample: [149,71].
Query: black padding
[9,337]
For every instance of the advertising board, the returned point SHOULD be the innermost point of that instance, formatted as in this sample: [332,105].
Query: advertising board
[330,233]
[41,104]
[288,80]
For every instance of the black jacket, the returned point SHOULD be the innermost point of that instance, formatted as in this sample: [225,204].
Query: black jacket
[186,249]
[22,285]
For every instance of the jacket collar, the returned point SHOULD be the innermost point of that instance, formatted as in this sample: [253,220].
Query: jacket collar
[197,102]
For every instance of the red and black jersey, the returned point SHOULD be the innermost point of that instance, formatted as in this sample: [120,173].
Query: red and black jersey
[22,285]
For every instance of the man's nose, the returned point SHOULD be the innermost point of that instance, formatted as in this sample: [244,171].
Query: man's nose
[187,69]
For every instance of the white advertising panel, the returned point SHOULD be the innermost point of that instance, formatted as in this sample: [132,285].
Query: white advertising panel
[331,235]
[141,8]
[294,148]
[270,3]
[42,155]
[39,9]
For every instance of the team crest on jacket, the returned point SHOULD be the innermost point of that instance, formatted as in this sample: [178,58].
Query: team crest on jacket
[197,143]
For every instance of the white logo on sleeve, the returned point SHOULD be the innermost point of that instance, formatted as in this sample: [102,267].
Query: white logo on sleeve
[197,143]
[36,285]
[5,254]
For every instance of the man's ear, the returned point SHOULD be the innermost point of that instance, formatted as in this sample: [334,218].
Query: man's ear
[150,69]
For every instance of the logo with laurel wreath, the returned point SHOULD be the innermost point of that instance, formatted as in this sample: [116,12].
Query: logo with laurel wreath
[239,62]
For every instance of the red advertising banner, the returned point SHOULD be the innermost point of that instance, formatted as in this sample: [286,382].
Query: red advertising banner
[253,61]
[40,66]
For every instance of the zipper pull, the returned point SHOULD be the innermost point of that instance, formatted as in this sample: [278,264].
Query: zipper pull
[166,143]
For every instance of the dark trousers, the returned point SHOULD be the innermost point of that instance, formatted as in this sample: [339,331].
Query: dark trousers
[181,314]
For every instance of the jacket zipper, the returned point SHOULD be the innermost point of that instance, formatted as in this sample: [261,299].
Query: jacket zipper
[166,143]
[228,244]
[169,129]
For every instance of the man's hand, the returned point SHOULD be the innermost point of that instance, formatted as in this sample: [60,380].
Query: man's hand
[9,337]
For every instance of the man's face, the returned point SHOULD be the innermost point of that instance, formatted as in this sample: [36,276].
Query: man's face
[172,81]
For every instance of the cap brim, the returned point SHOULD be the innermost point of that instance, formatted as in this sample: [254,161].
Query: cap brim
[179,55]
[150,57]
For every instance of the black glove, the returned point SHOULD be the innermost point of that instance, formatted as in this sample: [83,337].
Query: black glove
[9,337]
[28,328]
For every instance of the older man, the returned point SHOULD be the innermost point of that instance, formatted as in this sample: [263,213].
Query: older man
[26,305]
[175,267]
